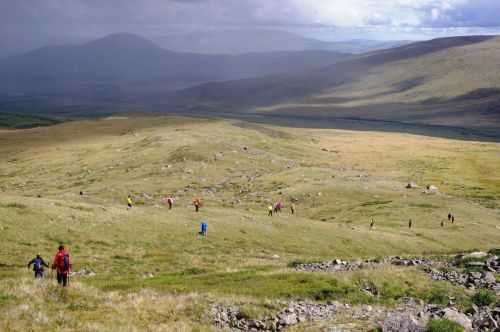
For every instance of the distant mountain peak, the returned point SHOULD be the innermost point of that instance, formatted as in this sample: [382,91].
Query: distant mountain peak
[126,40]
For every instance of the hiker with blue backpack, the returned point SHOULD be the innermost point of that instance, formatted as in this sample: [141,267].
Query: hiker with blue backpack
[203,229]
[62,264]
[38,264]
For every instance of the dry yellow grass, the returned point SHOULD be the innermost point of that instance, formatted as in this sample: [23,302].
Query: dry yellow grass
[237,171]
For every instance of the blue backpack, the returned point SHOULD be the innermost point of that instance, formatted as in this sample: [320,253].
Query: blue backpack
[37,264]
[66,262]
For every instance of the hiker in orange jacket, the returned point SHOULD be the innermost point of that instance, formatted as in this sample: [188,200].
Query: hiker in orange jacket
[197,203]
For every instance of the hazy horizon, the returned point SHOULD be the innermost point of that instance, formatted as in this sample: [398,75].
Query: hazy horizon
[29,24]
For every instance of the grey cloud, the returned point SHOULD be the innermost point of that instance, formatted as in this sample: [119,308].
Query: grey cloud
[32,23]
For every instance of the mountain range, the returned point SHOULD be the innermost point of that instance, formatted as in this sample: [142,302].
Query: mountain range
[124,66]
[447,81]
[443,82]
[240,41]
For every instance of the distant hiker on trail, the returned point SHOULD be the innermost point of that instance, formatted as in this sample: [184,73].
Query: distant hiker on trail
[203,229]
[442,223]
[81,193]
[129,202]
[449,216]
[372,223]
[452,219]
[62,265]
[410,223]
[197,203]
[292,209]
[270,209]
[169,200]
[38,264]
[278,206]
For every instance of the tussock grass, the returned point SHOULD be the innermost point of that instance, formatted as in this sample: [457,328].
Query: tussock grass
[43,306]
[150,256]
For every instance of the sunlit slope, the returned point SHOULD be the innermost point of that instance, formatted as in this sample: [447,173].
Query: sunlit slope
[339,180]
[149,271]
[450,81]
[456,86]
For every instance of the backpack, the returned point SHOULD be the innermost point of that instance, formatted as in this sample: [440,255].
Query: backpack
[66,263]
[37,264]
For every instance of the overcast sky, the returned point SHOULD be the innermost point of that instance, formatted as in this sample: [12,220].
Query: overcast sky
[28,24]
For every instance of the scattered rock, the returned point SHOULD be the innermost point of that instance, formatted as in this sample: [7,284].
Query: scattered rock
[477,254]
[412,185]
[486,319]
[431,189]
[336,265]
[402,323]
[295,313]
[471,280]
[400,261]
[458,317]
[84,272]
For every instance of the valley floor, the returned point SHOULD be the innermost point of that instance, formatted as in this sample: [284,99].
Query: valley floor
[146,269]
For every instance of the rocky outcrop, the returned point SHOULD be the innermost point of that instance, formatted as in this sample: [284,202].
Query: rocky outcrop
[401,322]
[337,265]
[486,319]
[482,319]
[493,264]
[471,280]
[401,261]
[233,319]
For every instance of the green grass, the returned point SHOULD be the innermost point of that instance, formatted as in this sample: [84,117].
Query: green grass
[443,325]
[11,120]
[248,257]
[484,298]
[5,298]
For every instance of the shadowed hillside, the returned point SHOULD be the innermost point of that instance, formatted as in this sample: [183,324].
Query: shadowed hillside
[445,81]
[125,66]
[240,41]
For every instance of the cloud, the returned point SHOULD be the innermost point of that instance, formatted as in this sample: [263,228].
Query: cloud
[341,13]
[27,21]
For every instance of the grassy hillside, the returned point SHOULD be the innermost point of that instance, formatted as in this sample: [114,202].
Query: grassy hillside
[151,270]
[455,87]
[449,81]
[10,120]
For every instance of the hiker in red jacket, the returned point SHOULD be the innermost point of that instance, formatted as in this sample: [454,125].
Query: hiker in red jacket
[170,201]
[62,264]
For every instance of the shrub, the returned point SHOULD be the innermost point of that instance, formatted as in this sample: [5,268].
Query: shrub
[437,296]
[483,298]
[495,252]
[194,271]
[297,262]
[377,329]
[443,325]
[324,294]
[4,298]
[15,206]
